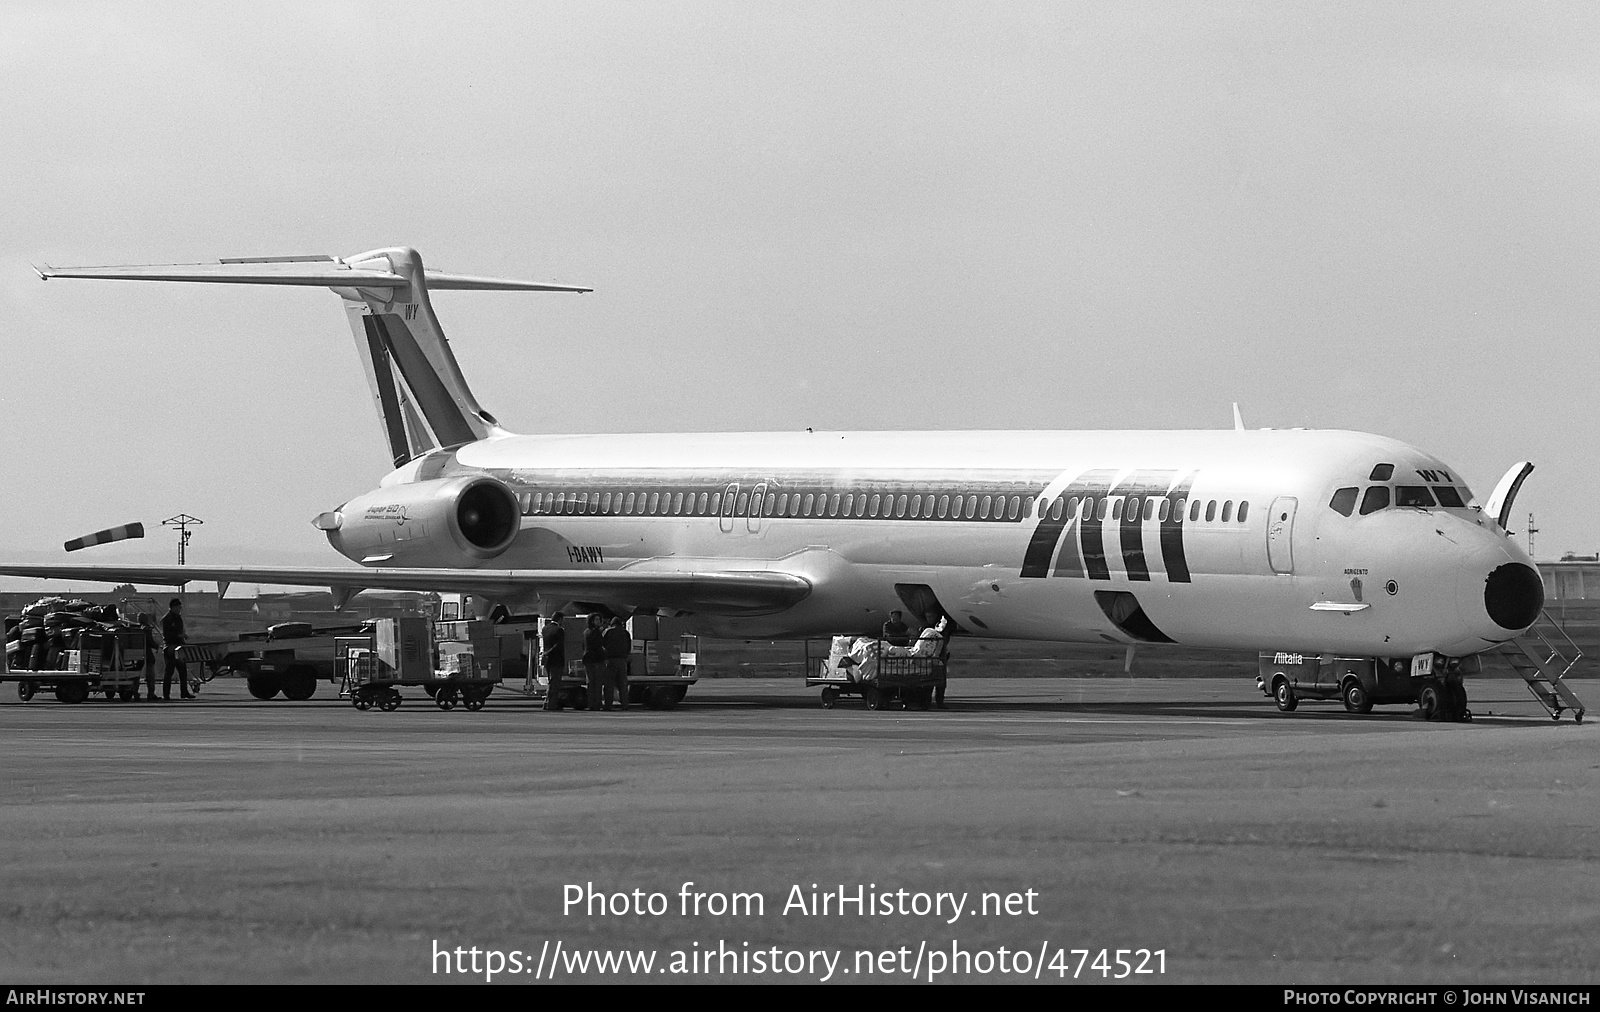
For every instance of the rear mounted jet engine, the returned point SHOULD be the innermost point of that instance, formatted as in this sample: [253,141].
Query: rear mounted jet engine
[456,522]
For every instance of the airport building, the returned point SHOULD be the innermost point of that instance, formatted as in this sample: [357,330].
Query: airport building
[1572,597]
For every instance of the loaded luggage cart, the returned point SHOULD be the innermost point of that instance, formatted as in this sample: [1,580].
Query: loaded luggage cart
[883,675]
[403,651]
[657,679]
[75,649]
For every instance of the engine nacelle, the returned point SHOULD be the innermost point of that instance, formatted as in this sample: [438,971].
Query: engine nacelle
[457,522]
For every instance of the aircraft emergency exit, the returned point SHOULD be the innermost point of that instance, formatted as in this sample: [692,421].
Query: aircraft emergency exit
[1315,542]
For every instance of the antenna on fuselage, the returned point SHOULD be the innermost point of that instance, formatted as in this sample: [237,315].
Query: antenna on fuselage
[1238,419]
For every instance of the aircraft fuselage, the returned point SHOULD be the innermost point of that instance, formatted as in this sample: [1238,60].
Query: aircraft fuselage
[1206,538]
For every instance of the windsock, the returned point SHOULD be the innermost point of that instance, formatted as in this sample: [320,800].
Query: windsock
[134,530]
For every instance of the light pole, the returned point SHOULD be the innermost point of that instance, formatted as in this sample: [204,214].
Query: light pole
[182,522]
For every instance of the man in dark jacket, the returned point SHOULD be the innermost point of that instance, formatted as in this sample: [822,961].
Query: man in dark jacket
[148,625]
[619,645]
[172,638]
[553,658]
[895,631]
[594,660]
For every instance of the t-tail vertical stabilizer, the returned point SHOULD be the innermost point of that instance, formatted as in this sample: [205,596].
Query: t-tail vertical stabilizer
[422,398]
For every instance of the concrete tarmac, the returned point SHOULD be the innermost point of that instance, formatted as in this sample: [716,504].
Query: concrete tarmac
[233,840]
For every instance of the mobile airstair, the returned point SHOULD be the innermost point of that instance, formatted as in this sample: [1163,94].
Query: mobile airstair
[1543,657]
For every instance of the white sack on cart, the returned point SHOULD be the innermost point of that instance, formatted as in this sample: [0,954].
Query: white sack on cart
[865,654]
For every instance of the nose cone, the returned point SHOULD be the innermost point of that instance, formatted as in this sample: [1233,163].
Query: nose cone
[1498,591]
[1513,595]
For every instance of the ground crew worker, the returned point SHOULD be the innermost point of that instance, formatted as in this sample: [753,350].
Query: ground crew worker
[172,637]
[148,624]
[895,631]
[940,624]
[619,645]
[553,658]
[594,660]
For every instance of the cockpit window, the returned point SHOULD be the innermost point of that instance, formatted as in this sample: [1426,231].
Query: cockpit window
[1449,497]
[1383,472]
[1344,501]
[1412,495]
[1377,498]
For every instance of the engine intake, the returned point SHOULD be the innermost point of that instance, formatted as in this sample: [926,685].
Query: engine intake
[461,521]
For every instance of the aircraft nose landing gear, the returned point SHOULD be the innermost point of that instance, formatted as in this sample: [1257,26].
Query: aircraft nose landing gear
[1443,700]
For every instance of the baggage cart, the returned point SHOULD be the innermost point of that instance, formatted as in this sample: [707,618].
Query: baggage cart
[373,665]
[882,676]
[657,679]
[74,663]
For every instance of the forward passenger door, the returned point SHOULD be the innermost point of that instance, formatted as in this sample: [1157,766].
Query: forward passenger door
[1280,534]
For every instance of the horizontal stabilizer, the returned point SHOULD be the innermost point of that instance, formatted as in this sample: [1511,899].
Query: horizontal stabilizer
[420,394]
[725,592]
[470,283]
[316,271]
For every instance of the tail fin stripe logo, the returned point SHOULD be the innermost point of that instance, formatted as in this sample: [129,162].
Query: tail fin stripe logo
[438,407]
[388,398]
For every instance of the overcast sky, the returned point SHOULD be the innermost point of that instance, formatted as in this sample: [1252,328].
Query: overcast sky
[861,215]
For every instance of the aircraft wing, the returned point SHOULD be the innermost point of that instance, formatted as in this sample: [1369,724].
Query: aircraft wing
[719,592]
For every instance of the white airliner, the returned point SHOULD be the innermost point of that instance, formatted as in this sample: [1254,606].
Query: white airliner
[1309,542]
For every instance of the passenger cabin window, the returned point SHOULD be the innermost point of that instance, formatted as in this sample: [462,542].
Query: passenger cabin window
[1211,511]
[1227,511]
[1449,498]
[1383,472]
[1244,510]
[1194,510]
[1344,501]
[1413,495]
[1377,498]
